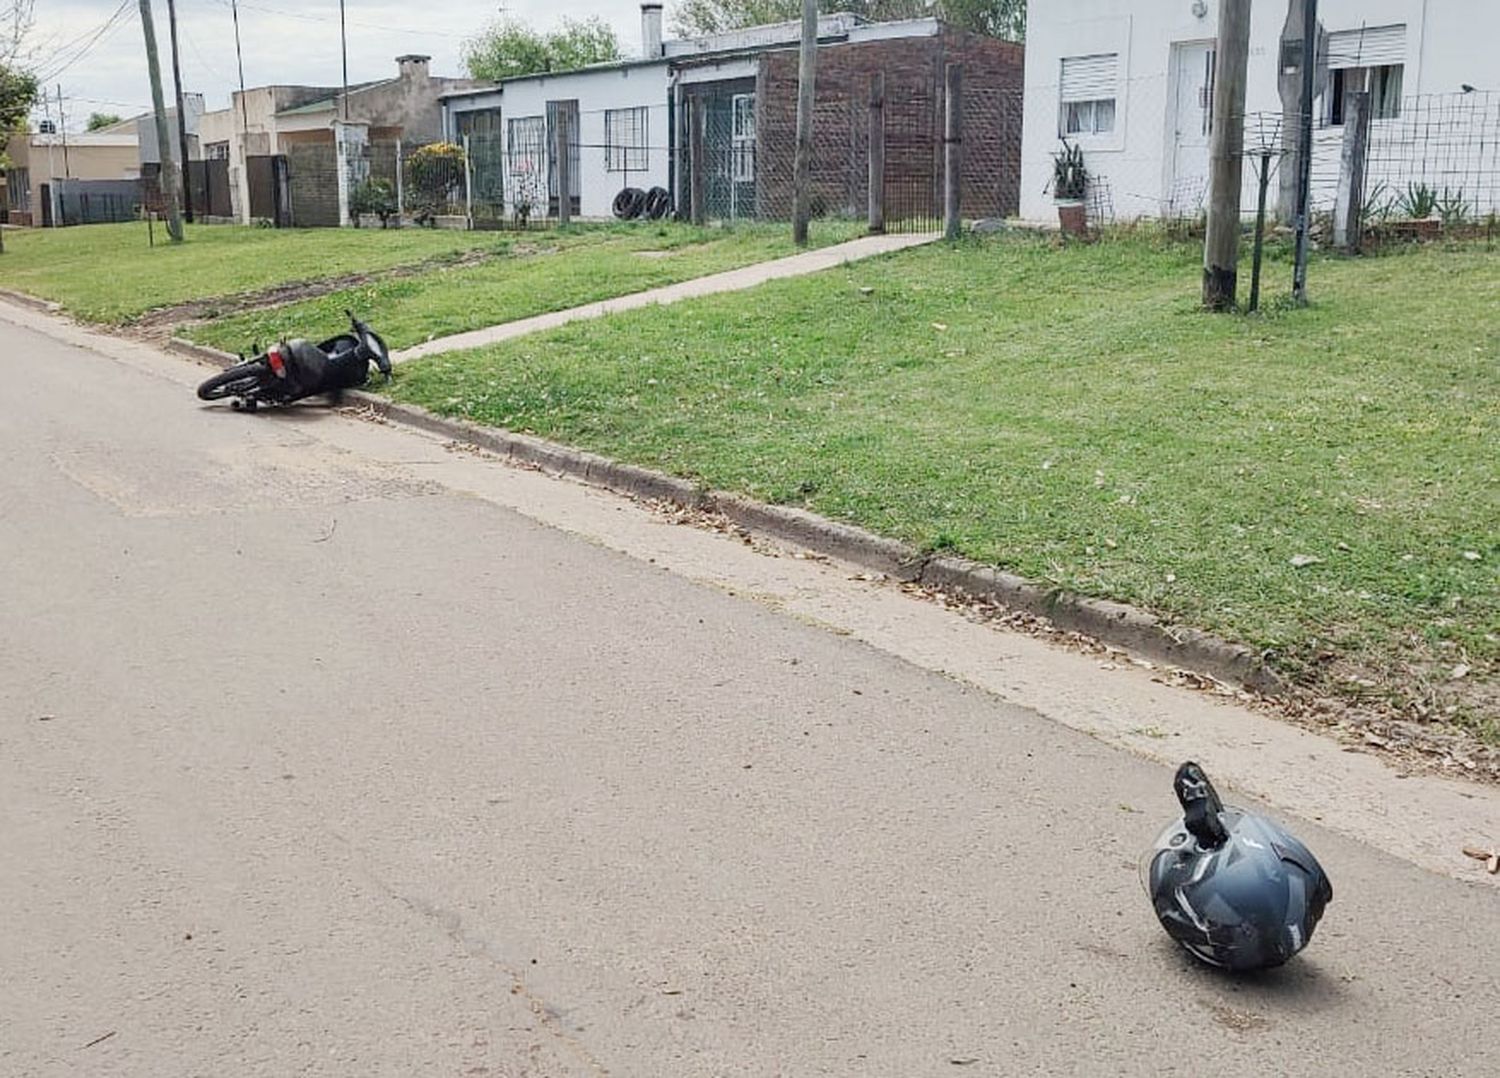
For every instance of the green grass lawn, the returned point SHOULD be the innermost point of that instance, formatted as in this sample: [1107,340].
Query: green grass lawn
[108,273]
[549,272]
[1321,483]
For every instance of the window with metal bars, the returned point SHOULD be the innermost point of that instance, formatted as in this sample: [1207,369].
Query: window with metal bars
[625,140]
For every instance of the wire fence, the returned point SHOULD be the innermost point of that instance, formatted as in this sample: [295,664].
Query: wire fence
[723,152]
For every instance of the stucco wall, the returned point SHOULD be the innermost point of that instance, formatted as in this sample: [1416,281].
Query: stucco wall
[1448,42]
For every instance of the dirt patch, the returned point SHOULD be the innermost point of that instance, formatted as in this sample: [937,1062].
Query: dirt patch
[162,322]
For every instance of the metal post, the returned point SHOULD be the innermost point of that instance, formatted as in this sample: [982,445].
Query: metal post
[182,140]
[1221,245]
[1304,148]
[1349,209]
[953,155]
[697,123]
[877,153]
[564,168]
[802,160]
[1260,229]
[400,184]
[468,185]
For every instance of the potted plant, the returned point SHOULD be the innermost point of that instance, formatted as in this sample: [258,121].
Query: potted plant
[1070,182]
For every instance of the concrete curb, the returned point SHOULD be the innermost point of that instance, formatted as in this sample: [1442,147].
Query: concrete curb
[1113,623]
[46,306]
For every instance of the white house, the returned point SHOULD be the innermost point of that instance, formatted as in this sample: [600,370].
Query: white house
[1131,82]
[627,114]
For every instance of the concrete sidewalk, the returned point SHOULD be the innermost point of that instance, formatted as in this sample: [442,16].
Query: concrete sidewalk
[730,281]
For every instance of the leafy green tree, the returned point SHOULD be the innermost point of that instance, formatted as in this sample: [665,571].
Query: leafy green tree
[102,119]
[997,18]
[509,47]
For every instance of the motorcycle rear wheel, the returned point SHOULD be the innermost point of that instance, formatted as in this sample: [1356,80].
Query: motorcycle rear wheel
[237,381]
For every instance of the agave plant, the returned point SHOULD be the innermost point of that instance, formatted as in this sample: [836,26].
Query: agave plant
[1070,180]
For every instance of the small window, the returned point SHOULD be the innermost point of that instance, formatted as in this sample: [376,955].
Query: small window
[625,140]
[1089,117]
[742,139]
[1384,86]
[1088,85]
[217,151]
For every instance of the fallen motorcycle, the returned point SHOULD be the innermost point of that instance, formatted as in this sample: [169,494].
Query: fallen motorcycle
[293,369]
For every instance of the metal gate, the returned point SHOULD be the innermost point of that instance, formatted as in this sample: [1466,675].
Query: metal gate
[913,157]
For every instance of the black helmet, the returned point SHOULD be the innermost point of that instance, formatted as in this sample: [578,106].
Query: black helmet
[1235,889]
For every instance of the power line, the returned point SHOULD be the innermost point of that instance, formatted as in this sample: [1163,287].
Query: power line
[115,21]
[426,31]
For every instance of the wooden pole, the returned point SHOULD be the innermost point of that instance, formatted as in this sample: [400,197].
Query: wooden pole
[697,124]
[1289,87]
[802,161]
[564,166]
[1349,209]
[163,136]
[877,153]
[953,151]
[1221,245]
[1304,148]
[182,140]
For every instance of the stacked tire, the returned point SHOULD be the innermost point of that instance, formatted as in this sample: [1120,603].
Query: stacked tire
[633,202]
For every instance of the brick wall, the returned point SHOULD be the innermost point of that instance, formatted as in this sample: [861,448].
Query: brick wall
[914,72]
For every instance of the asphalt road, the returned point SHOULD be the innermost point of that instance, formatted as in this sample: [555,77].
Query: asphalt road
[317,763]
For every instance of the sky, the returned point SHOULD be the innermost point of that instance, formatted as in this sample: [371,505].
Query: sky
[101,64]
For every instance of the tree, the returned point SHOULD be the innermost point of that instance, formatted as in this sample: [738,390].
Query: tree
[102,119]
[997,18]
[509,47]
[18,85]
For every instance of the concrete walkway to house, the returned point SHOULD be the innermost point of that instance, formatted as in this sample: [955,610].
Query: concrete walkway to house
[730,281]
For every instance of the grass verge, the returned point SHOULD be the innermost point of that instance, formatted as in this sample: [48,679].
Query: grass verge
[1319,483]
[546,272]
[108,273]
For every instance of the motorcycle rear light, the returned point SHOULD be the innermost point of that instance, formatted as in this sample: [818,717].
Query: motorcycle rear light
[278,365]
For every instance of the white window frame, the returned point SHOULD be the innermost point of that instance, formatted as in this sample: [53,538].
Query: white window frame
[742,137]
[627,139]
[1090,100]
[1369,58]
[216,151]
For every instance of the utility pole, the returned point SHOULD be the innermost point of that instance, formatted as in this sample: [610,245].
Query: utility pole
[163,136]
[62,128]
[239,56]
[344,48]
[953,157]
[802,162]
[877,153]
[1304,147]
[1221,246]
[182,142]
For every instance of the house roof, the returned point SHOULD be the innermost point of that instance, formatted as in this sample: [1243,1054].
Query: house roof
[834,28]
[327,104]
